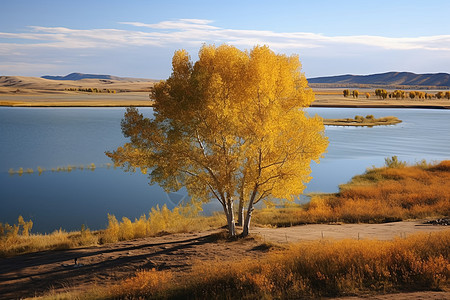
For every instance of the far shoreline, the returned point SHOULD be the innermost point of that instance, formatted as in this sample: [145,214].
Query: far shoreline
[408,106]
[70,99]
[104,105]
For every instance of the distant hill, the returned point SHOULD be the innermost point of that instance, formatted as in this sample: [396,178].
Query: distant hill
[22,84]
[80,76]
[387,79]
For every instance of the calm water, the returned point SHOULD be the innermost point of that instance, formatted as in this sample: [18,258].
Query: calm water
[58,137]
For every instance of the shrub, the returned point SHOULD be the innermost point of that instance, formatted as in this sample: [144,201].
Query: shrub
[381,93]
[359,119]
[393,162]
[346,93]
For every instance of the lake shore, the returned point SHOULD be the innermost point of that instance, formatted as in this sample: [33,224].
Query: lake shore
[34,98]
[101,266]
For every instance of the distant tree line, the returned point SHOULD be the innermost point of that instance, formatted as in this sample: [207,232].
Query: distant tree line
[400,94]
[91,90]
[355,93]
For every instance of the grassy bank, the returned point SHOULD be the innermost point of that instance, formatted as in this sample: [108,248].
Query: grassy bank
[304,270]
[391,193]
[15,239]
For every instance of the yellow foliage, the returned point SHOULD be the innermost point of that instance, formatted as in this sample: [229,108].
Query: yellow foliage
[231,126]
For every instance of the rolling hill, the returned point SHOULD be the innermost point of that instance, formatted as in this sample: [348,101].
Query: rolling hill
[386,79]
[81,76]
[22,84]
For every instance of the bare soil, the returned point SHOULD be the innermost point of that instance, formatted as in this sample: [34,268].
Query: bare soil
[75,269]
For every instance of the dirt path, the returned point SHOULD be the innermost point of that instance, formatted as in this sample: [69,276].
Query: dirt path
[386,231]
[36,273]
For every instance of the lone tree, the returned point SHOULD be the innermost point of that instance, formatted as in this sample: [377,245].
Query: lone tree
[230,127]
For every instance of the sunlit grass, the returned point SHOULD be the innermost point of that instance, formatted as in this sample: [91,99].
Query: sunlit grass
[304,270]
[16,239]
[159,220]
[392,193]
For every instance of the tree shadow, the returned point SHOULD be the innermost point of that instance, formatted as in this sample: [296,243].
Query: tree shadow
[34,273]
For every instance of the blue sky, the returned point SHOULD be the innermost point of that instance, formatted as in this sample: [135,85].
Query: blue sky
[137,38]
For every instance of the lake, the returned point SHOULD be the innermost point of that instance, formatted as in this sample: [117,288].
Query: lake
[53,138]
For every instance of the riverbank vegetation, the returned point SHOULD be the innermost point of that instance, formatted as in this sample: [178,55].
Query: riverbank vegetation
[368,121]
[390,193]
[68,168]
[16,239]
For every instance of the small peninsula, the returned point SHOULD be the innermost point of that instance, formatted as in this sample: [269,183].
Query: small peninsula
[369,121]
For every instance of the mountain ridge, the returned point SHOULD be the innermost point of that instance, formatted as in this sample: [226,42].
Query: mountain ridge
[387,79]
[81,76]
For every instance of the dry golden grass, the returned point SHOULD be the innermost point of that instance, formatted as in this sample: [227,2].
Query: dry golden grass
[18,244]
[15,240]
[304,270]
[380,195]
[160,221]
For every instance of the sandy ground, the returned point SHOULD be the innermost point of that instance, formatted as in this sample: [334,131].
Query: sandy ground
[36,273]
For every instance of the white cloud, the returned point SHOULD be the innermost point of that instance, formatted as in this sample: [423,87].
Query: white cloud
[181,24]
[197,31]
[38,48]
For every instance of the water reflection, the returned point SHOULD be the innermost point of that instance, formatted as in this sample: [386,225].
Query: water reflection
[57,137]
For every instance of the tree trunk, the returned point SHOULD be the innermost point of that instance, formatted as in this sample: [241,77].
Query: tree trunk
[241,211]
[228,208]
[248,217]
[241,203]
